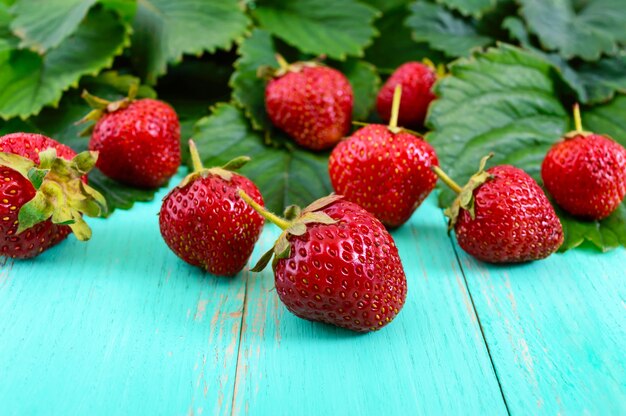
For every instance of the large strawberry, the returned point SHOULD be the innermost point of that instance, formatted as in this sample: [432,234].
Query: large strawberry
[310,102]
[417,80]
[336,263]
[138,139]
[384,169]
[205,221]
[586,173]
[503,216]
[43,194]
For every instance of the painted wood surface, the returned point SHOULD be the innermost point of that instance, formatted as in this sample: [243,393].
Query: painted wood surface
[556,330]
[119,325]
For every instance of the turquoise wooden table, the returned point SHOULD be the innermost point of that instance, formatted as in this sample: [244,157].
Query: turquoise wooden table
[121,326]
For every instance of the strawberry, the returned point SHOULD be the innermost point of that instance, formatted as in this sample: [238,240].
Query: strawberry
[336,263]
[586,173]
[310,102]
[43,192]
[384,169]
[205,222]
[138,140]
[417,80]
[503,216]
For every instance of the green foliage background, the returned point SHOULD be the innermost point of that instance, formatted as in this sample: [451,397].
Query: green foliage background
[515,69]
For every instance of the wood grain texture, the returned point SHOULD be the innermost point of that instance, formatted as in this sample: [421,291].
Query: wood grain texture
[118,325]
[556,330]
[431,360]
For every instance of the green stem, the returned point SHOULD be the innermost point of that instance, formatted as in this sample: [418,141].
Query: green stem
[195,157]
[395,107]
[578,119]
[274,219]
[446,179]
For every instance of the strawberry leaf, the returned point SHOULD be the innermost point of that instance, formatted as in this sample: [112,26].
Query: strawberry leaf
[29,81]
[164,30]
[117,195]
[469,7]
[320,27]
[394,46]
[520,117]
[365,84]
[602,79]
[42,25]
[443,30]
[256,51]
[577,29]
[284,175]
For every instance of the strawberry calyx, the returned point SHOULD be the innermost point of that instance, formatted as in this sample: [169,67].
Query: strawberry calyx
[101,106]
[61,195]
[294,223]
[284,67]
[439,69]
[578,125]
[199,171]
[465,195]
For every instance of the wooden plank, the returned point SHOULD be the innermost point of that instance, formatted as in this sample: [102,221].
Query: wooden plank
[431,360]
[117,325]
[556,330]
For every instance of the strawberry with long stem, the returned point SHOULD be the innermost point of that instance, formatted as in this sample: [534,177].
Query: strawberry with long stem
[335,263]
[502,215]
[205,222]
[586,172]
[384,168]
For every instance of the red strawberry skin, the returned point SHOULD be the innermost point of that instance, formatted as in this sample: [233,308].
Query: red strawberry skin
[207,224]
[514,221]
[313,106]
[586,175]
[139,145]
[346,274]
[387,174]
[15,191]
[417,81]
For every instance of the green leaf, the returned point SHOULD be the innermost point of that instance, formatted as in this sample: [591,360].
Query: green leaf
[443,30]
[365,84]
[28,81]
[503,100]
[42,25]
[319,27]
[519,118]
[609,119]
[395,45]
[607,234]
[575,28]
[164,30]
[117,195]
[469,7]
[248,89]
[602,79]
[284,176]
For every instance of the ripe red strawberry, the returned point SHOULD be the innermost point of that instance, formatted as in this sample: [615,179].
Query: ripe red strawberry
[310,102]
[503,216]
[138,140]
[43,193]
[586,173]
[417,80]
[336,263]
[384,169]
[205,222]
